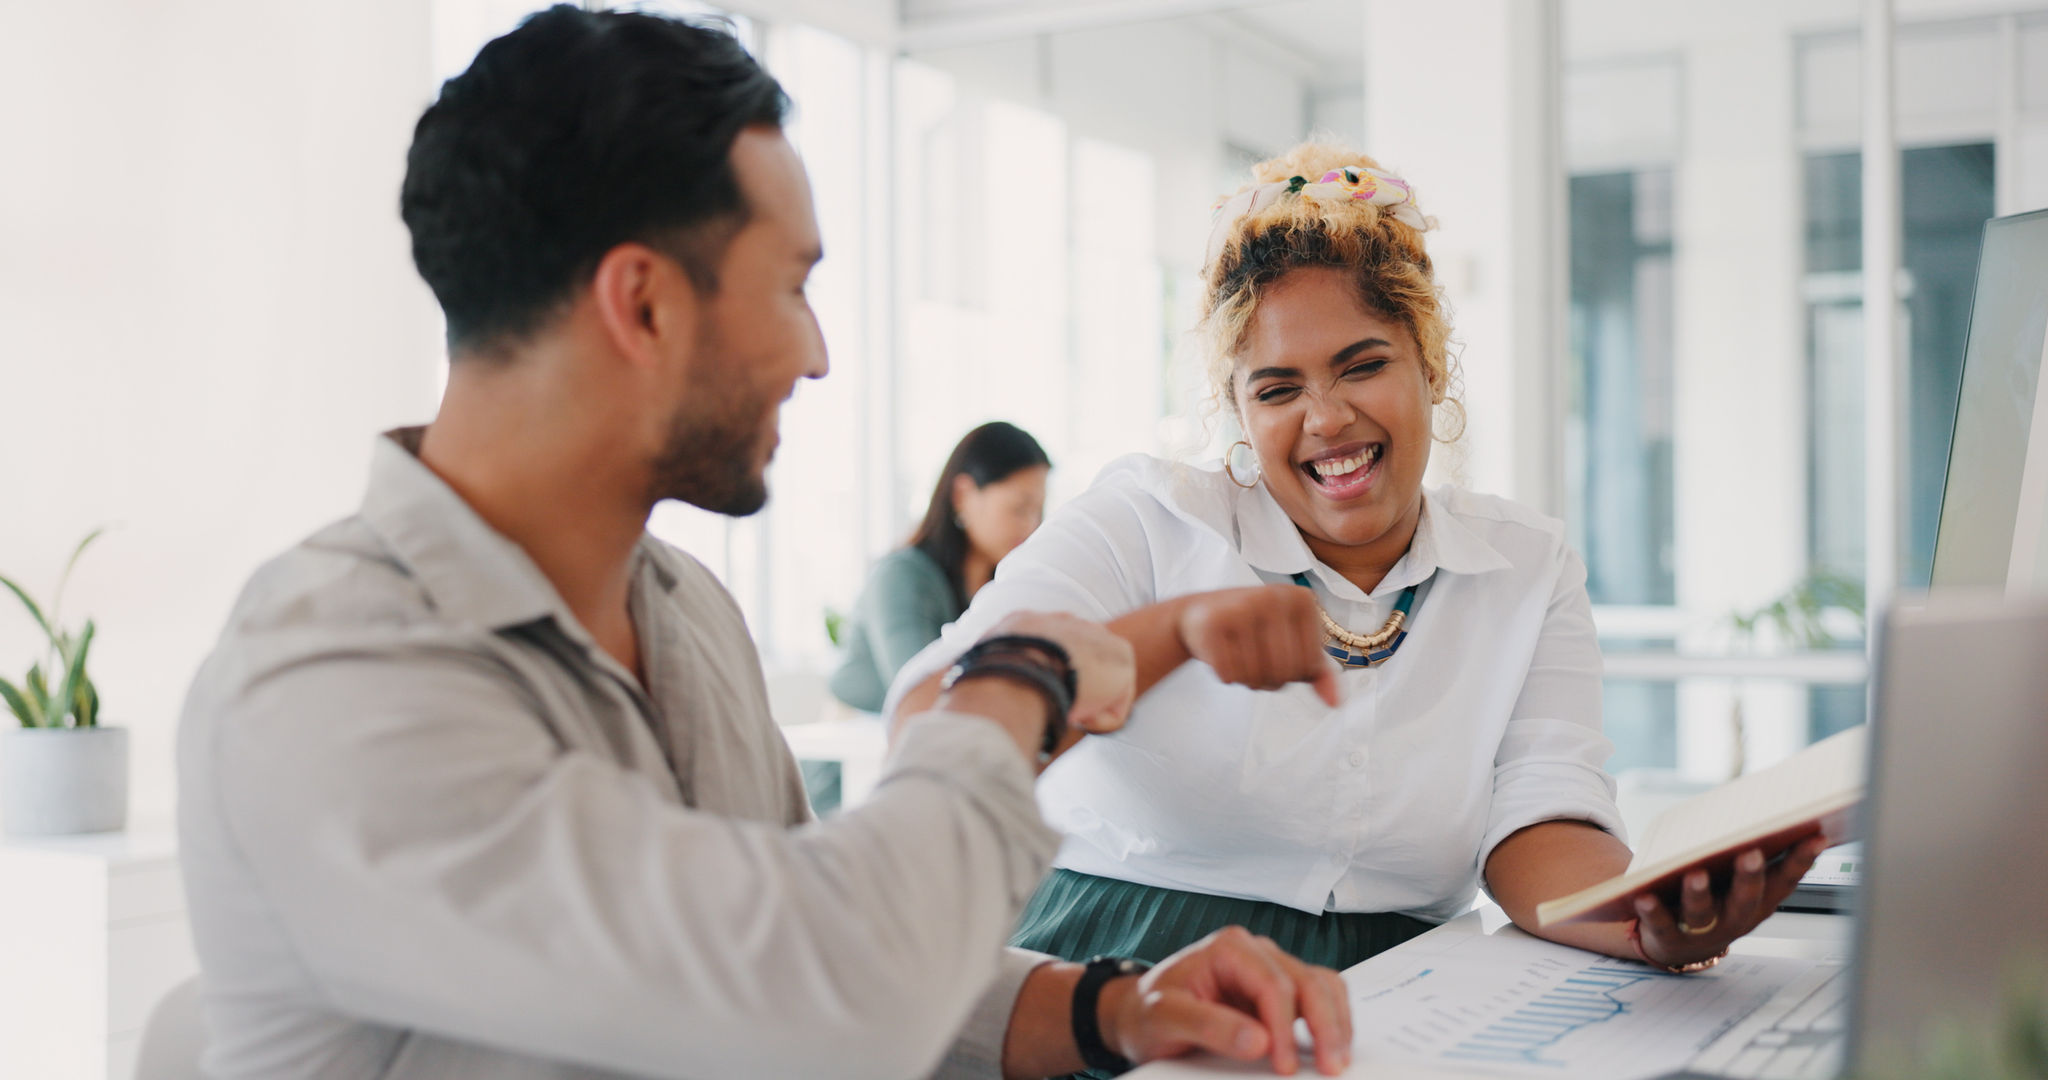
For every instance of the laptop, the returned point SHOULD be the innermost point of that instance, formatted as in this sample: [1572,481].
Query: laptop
[1951,916]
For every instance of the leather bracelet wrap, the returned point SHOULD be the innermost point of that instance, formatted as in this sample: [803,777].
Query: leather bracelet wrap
[1087,1025]
[1035,662]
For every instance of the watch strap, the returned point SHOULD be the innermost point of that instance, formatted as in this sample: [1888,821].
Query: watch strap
[1086,1019]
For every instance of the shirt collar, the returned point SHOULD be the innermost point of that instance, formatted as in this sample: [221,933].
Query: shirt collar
[1269,541]
[469,570]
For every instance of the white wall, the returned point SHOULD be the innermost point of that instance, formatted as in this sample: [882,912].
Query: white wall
[207,307]
[869,22]
[1453,102]
[1740,431]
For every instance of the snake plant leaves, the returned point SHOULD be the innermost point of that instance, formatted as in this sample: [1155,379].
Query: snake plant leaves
[63,579]
[35,702]
[85,702]
[34,612]
[18,703]
[74,670]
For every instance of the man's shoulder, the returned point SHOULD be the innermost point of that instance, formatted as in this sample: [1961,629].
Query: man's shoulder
[337,595]
[338,578]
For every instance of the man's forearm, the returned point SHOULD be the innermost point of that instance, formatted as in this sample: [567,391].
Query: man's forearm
[1040,1042]
[1019,709]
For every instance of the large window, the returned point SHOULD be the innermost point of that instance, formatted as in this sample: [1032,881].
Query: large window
[1946,193]
[1619,437]
[982,262]
[1032,287]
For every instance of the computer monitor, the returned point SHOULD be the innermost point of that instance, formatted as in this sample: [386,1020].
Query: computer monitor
[1995,499]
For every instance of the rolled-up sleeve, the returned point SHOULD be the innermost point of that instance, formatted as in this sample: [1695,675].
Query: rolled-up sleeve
[1550,762]
[439,863]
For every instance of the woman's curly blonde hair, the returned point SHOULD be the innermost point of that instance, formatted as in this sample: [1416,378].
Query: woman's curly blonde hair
[1383,256]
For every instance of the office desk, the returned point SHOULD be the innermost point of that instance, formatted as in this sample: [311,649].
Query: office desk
[1812,937]
[92,935]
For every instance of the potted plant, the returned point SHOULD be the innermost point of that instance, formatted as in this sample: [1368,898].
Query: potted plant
[60,771]
[1799,615]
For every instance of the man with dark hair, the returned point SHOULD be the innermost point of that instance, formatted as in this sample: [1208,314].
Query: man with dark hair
[481,781]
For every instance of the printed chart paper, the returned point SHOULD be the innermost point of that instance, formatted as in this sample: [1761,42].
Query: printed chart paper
[1511,1004]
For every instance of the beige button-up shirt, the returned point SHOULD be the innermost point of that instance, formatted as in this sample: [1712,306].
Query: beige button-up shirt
[430,829]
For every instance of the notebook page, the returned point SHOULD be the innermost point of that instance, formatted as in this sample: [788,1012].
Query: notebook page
[1777,795]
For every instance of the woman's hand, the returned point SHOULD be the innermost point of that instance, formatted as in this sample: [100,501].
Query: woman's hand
[1702,927]
[1263,637]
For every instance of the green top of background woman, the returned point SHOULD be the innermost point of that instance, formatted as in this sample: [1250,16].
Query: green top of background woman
[989,497]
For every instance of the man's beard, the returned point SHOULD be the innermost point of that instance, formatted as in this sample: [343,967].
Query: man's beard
[708,460]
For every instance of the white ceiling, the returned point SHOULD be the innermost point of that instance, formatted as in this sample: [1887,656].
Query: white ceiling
[1321,39]
[1328,33]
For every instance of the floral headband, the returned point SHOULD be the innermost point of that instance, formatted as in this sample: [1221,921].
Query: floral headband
[1382,189]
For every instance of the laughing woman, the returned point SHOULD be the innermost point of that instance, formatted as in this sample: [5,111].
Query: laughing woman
[1337,806]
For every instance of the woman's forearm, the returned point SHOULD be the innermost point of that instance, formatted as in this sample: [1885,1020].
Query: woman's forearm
[1154,636]
[1553,859]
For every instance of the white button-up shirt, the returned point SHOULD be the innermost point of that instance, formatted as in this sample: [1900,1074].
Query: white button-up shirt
[1486,721]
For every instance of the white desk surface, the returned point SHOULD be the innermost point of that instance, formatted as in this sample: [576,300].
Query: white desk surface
[1816,937]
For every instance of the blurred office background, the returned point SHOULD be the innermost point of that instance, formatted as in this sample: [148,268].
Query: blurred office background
[1652,238]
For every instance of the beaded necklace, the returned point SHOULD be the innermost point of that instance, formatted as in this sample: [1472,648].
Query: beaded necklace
[1365,650]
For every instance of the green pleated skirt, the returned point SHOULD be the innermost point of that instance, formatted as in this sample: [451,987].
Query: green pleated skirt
[1076,916]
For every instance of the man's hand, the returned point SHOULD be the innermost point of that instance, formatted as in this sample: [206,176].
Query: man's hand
[1103,668]
[1264,637]
[1233,994]
[1103,685]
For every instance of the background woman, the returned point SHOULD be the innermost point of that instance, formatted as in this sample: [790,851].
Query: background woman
[990,496]
[1337,809]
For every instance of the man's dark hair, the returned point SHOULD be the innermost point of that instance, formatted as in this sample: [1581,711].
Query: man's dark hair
[577,132]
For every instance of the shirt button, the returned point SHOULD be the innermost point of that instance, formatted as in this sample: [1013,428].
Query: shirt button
[1357,758]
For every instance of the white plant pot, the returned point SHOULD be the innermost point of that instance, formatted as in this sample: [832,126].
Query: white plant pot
[60,781]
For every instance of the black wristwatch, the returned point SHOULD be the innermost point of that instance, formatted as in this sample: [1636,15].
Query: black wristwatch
[1036,662]
[1087,1026]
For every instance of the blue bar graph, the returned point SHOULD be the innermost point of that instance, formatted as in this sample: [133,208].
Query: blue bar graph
[1592,995]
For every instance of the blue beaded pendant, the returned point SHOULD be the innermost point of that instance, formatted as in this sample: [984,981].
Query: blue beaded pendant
[1345,656]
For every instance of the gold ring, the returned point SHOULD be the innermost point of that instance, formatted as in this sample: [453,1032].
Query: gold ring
[1698,930]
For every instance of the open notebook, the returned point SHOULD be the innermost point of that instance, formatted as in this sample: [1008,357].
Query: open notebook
[1814,791]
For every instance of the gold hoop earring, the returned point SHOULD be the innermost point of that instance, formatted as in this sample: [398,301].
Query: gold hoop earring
[1232,473]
